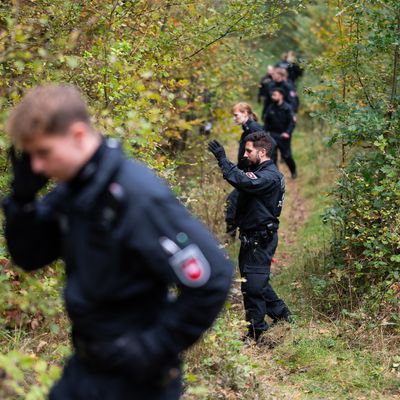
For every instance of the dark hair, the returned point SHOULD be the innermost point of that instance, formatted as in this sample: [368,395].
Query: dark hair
[261,140]
[278,89]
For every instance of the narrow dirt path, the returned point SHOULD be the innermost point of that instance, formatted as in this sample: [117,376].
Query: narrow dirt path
[272,379]
[295,214]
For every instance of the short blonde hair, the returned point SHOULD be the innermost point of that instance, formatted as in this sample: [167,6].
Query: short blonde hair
[47,109]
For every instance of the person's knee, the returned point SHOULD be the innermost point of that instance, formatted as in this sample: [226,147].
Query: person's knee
[253,287]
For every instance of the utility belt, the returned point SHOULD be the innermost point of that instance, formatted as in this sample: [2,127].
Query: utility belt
[89,352]
[260,237]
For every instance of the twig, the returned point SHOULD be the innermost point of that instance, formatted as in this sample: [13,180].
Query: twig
[226,33]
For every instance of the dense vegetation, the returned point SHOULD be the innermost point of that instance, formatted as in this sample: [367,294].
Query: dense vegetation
[153,73]
[357,63]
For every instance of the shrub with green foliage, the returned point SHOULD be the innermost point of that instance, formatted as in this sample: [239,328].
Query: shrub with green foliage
[359,97]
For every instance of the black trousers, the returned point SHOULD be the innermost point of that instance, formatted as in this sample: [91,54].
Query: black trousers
[231,204]
[259,297]
[80,382]
[285,147]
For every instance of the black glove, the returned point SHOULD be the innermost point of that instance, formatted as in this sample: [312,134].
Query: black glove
[231,230]
[217,149]
[26,183]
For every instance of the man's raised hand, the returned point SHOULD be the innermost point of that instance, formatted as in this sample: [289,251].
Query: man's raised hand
[217,149]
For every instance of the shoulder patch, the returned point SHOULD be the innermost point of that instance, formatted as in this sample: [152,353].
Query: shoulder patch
[190,266]
[251,175]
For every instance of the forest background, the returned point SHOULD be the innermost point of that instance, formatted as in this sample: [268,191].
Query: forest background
[153,72]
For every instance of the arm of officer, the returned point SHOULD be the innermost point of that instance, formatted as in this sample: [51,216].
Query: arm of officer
[291,122]
[179,250]
[32,234]
[251,182]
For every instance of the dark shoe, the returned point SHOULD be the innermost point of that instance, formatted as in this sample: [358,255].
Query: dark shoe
[286,316]
[253,335]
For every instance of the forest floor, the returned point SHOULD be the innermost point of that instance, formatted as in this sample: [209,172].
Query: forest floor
[313,358]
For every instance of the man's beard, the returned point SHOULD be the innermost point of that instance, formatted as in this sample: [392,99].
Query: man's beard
[256,162]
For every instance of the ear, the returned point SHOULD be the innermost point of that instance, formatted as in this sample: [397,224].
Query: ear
[79,131]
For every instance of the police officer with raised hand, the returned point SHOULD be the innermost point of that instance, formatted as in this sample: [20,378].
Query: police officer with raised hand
[279,121]
[125,240]
[261,193]
[244,116]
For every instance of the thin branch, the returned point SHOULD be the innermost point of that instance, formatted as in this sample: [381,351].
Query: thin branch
[366,94]
[395,67]
[226,33]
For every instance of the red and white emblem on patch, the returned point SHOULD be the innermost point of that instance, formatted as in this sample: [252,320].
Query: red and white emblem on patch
[251,175]
[191,267]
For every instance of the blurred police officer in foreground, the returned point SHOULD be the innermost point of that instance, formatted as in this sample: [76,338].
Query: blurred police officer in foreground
[261,193]
[125,240]
[279,121]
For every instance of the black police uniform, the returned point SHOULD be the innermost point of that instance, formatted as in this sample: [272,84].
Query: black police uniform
[261,194]
[279,119]
[249,127]
[294,72]
[289,96]
[263,87]
[282,64]
[293,96]
[125,240]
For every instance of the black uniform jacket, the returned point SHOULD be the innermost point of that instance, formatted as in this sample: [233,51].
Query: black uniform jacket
[290,95]
[263,86]
[118,226]
[250,126]
[261,194]
[279,119]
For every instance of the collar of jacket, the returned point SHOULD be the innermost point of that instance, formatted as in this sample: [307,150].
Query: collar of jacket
[246,126]
[93,178]
[264,164]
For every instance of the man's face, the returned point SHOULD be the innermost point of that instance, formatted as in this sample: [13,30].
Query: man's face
[277,97]
[278,77]
[57,156]
[252,154]
[240,117]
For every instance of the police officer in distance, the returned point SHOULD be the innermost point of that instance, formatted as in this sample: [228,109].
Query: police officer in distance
[125,240]
[280,122]
[263,86]
[280,81]
[261,193]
